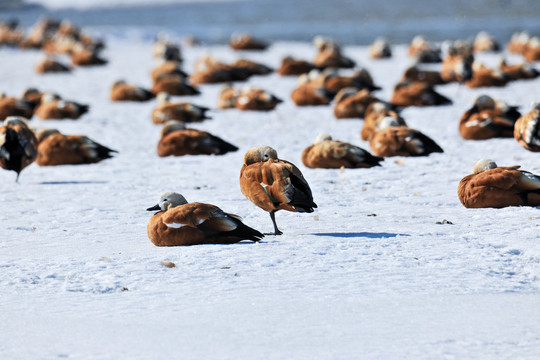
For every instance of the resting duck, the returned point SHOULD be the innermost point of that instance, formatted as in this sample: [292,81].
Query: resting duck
[177,140]
[55,148]
[491,186]
[179,223]
[373,117]
[487,119]
[395,140]
[291,66]
[380,49]
[352,103]
[182,111]
[122,91]
[53,107]
[326,153]
[408,93]
[245,41]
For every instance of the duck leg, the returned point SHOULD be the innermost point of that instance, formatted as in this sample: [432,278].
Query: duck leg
[273,217]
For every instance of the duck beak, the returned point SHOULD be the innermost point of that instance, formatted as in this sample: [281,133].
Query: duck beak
[153,208]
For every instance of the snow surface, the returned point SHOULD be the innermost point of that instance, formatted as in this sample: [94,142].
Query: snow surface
[80,279]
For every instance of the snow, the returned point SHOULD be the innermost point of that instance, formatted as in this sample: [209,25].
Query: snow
[370,274]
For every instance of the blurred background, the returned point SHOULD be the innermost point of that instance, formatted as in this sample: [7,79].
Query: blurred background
[348,21]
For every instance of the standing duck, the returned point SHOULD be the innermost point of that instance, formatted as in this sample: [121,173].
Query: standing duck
[18,145]
[273,184]
[527,129]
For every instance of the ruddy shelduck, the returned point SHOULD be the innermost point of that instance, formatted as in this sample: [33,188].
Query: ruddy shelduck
[12,106]
[485,42]
[491,186]
[374,115]
[18,145]
[360,79]
[56,148]
[484,76]
[273,184]
[415,74]
[173,84]
[52,107]
[177,140]
[352,103]
[380,49]
[394,140]
[181,111]
[518,71]
[167,67]
[50,65]
[122,91]
[179,223]
[527,129]
[311,92]
[245,41]
[329,55]
[290,66]
[326,153]
[487,119]
[408,93]
[83,56]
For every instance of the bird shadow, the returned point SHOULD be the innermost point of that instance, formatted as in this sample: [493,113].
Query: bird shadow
[72,182]
[360,234]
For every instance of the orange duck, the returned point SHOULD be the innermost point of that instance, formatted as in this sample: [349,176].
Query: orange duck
[485,77]
[408,93]
[245,41]
[83,56]
[177,140]
[485,42]
[311,92]
[326,153]
[11,106]
[273,184]
[49,65]
[373,117]
[491,186]
[122,91]
[360,79]
[58,149]
[415,74]
[173,84]
[182,111]
[53,107]
[352,103]
[329,55]
[169,68]
[179,223]
[487,119]
[527,129]
[291,66]
[518,71]
[380,49]
[395,140]
[18,145]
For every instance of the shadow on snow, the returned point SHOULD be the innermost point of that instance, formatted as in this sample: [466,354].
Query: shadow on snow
[360,234]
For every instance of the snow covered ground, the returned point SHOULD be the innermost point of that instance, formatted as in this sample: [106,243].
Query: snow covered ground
[79,278]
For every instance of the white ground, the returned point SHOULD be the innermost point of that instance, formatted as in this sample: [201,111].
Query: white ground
[80,279]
